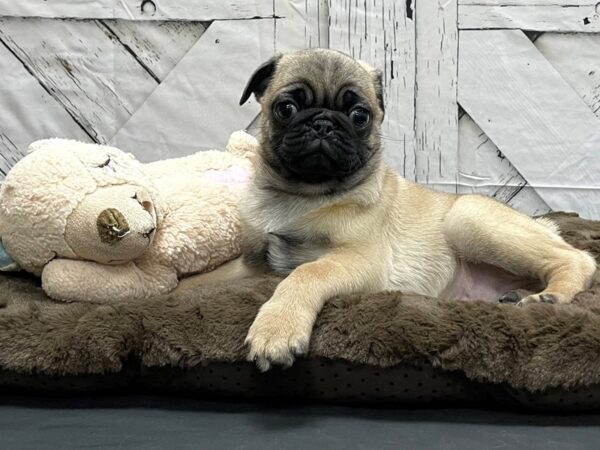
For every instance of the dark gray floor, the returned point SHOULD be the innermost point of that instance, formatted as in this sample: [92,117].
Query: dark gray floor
[144,422]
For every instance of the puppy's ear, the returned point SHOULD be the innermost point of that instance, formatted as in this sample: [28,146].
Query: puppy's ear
[378,81]
[260,79]
[377,77]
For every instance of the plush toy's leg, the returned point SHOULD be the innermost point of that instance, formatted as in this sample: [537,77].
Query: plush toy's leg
[69,280]
[232,270]
[283,325]
[483,230]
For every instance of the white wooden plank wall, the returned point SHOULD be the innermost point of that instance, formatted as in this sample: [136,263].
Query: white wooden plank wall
[156,10]
[27,112]
[532,115]
[162,78]
[436,112]
[88,72]
[301,24]
[157,46]
[575,56]
[582,16]
[195,107]
[483,169]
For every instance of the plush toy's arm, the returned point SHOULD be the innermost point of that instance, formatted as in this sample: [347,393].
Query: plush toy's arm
[69,280]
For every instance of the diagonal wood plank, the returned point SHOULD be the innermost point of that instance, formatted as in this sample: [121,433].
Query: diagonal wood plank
[581,16]
[27,112]
[534,117]
[87,71]
[383,34]
[436,108]
[196,106]
[157,46]
[485,170]
[577,58]
[204,10]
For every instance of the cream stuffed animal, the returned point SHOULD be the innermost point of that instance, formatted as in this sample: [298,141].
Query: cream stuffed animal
[99,226]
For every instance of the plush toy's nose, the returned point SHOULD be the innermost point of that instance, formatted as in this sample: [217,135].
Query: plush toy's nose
[112,226]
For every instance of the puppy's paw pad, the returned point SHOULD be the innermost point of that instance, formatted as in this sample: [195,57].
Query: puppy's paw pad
[510,297]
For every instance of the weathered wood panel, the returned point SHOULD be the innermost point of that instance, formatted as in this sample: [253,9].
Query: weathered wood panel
[436,109]
[483,169]
[528,110]
[194,107]
[301,24]
[84,67]
[383,34]
[27,112]
[157,46]
[562,3]
[549,15]
[577,58]
[204,10]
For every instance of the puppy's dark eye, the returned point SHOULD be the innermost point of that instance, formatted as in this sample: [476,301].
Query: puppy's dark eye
[285,110]
[360,117]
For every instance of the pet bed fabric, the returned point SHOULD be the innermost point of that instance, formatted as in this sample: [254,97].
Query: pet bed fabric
[385,347]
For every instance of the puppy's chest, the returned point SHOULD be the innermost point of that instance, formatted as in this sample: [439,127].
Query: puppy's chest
[288,250]
[293,238]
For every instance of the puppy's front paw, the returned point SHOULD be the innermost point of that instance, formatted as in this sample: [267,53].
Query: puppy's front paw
[277,336]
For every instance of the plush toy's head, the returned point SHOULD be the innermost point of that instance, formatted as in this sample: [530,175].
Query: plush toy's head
[74,200]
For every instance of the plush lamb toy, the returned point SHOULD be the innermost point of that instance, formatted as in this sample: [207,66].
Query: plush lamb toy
[99,226]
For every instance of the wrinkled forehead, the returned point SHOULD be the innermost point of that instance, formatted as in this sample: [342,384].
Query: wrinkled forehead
[326,73]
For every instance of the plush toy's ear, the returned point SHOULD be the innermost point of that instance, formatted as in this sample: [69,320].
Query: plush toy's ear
[6,262]
[260,79]
[50,143]
[241,143]
[34,146]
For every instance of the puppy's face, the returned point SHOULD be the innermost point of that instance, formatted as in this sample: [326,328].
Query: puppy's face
[322,112]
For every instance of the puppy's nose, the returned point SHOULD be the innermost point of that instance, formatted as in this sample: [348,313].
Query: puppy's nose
[323,127]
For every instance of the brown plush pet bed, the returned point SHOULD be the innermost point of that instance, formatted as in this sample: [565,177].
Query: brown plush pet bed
[386,347]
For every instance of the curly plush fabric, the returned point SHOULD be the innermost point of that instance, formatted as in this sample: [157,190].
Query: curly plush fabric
[534,348]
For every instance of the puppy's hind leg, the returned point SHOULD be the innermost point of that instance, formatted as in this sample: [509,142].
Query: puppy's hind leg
[233,270]
[483,230]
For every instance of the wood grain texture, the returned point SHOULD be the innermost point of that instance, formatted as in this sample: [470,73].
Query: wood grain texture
[534,117]
[301,24]
[549,15]
[195,107]
[28,112]
[157,46]
[483,169]
[382,33]
[87,71]
[576,57]
[436,108]
[204,10]
[562,3]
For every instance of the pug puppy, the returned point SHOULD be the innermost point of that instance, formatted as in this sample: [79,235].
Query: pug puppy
[326,210]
